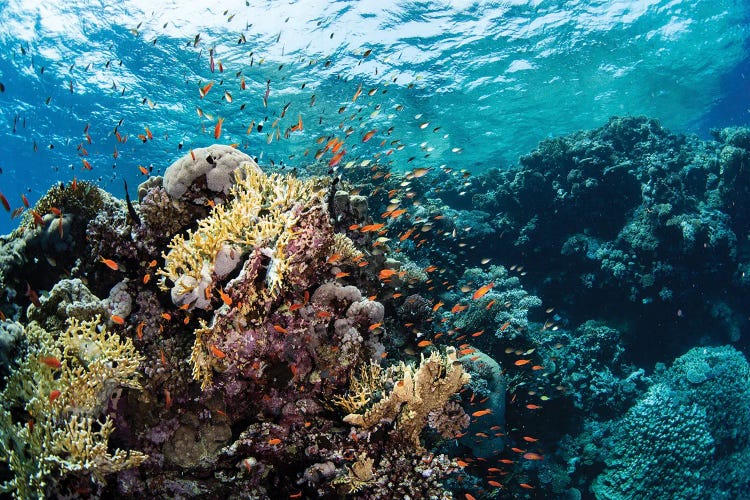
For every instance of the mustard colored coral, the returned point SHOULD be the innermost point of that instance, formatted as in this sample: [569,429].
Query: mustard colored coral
[415,395]
[260,215]
[51,407]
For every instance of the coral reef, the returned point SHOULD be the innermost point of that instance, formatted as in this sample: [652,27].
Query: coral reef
[52,402]
[261,215]
[669,442]
[312,337]
[415,394]
[627,219]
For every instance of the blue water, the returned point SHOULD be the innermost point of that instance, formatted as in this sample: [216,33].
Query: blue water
[465,84]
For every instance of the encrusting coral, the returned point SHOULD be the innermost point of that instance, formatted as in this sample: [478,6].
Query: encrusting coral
[415,395]
[51,405]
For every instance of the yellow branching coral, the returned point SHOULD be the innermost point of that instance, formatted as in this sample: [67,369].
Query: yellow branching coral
[202,363]
[344,246]
[361,388]
[260,215]
[421,390]
[361,474]
[50,407]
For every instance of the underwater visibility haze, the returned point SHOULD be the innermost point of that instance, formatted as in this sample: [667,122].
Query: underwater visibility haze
[375,249]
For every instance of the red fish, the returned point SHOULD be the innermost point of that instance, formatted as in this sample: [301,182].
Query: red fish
[371,227]
[217,352]
[204,90]
[337,158]
[482,291]
[51,361]
[4,201]
[109,263]
[225,297]
[217,128]
[369,135]
[32,295]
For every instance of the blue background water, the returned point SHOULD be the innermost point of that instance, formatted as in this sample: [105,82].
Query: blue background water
[489,79]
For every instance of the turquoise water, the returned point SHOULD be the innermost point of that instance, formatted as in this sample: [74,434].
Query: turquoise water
[465,84]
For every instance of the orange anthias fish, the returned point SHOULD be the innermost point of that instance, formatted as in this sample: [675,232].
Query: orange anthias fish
[481,413]
[337,158]
[225,297]
[109,263]
[406,234]
[371,227]
[51,361]
[458,308]
[333,258]
[217,352]
[204,90]
[522,362]
[369,135]
[387,273]
[217,128]
[482,291]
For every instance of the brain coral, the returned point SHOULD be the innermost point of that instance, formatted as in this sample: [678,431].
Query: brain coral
[216,162]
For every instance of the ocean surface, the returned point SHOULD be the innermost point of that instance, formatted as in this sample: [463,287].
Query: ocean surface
[469,85]
[537,210]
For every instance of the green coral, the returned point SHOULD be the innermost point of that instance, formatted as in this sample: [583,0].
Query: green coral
[81,197]
[50,415]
